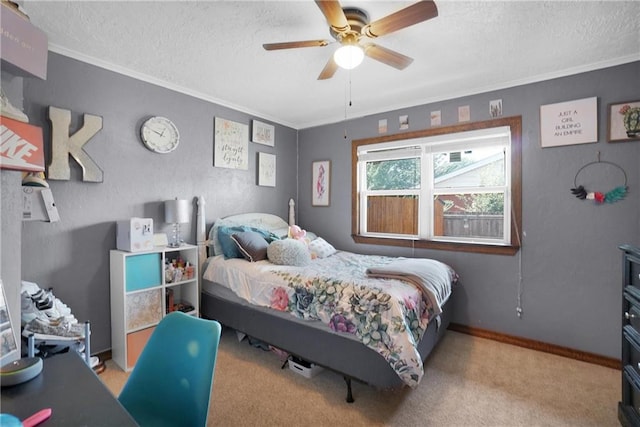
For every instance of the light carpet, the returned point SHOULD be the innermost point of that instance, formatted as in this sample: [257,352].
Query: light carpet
[468,381]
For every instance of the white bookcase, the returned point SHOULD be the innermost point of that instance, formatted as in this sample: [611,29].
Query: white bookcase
[145,287]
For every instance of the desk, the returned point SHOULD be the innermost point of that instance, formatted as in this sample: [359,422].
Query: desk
[72,390]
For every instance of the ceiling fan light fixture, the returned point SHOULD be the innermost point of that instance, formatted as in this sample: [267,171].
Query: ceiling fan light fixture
[348,56]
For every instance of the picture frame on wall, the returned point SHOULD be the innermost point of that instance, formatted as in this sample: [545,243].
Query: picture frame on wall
[623,121]
[569,123]
[321,183]
[266,169]
[231,144]
[495,108]
[262,133]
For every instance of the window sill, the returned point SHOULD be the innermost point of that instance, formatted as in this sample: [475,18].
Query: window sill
[442,246]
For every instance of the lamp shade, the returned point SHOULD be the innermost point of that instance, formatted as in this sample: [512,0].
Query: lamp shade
[176,211]
[348,56]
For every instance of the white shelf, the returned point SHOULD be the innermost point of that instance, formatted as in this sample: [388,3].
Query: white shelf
[140,290]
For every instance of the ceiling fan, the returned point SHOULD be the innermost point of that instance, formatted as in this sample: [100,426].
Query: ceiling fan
[351,28]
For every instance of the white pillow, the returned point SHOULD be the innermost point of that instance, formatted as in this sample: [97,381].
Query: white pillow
[288,252]
[320,248]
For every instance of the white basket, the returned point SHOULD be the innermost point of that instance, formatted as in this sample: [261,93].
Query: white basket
[309,371]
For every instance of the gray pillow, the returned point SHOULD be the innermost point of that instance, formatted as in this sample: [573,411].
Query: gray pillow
[252,245]
[288,252]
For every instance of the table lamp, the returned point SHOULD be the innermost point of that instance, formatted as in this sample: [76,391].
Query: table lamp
[176,212]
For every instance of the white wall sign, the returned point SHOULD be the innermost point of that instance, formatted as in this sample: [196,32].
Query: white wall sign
[267,169]
[567,123]
[231,144]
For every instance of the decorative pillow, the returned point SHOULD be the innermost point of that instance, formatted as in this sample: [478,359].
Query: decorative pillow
[262,221]
[281,232]
[252,245]
[288,252]
[320,248]
[229,247]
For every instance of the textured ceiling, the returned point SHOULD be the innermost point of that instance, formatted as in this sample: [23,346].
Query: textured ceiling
[213,50]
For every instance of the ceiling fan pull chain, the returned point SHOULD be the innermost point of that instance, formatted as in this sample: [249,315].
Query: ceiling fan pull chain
[350,88]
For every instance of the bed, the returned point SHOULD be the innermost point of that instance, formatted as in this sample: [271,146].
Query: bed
[354,314]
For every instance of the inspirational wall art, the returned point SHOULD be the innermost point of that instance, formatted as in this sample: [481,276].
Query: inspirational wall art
[567,123]
[231,144]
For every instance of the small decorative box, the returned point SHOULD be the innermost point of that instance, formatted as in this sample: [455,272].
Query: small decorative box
[135,235]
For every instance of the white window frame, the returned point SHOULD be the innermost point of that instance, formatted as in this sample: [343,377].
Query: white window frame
[425,148]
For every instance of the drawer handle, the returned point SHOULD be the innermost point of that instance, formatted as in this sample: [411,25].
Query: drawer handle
[629,316]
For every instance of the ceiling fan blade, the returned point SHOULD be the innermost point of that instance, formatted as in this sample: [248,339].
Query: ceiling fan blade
[334,14]
[329,70]
[387,56]
[410,15]
[292,45]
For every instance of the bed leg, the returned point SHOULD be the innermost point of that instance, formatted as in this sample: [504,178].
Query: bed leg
[349,394]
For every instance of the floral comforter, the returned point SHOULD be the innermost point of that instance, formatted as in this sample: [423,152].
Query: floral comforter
[387,315]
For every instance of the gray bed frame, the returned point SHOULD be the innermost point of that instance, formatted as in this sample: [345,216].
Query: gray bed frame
[308,340]
[311,340]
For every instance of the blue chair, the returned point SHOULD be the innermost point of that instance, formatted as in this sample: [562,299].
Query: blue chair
[170,385]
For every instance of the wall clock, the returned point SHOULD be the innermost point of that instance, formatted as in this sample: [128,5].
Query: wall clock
[160,135]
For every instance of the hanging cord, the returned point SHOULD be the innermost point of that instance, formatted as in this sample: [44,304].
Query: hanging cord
[350,88]
[347,89]
[514,218]
[520,282]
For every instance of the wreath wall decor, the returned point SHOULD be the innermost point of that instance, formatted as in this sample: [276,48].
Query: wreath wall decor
[611,196]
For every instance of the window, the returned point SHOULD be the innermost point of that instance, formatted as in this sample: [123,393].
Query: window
[455,188]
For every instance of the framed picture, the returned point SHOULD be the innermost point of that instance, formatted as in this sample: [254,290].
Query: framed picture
[263,133]
[231,144]
[321,183]
[436,118]
[404,122]
[464,113]
[568,123]
[624,122]
[9,350]
[495,108]
[267,169]
[382,126]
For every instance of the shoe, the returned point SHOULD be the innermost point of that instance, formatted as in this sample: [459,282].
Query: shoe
[8,110]
[29,310]
[51,322]
[78,346]
[61,307]
[99,368]
[44,330]
[45,304]
[39,295]
[93,360]
[34,179]
[30,287]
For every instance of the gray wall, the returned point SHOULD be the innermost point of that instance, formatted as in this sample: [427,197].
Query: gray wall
[571,267]
[570,261]
[72,255]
